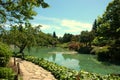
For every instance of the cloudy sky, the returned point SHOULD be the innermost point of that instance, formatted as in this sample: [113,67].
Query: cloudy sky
[69,16]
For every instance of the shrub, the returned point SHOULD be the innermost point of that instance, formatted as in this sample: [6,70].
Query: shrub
[101,52]
[5,54]
[74,46]
[93,76]
[6,73]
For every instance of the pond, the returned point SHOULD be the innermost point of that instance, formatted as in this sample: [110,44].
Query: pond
[74,61]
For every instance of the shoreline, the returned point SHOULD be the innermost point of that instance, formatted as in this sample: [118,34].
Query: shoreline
[65,52]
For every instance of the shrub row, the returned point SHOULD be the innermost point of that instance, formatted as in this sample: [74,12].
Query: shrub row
[93,76]
[6,74]
[60,72]
[63,73]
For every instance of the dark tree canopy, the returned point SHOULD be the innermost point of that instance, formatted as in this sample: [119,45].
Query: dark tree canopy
[54,35]
[109,23]
[108,31]
[94,25]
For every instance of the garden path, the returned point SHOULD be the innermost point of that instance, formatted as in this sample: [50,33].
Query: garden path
[31,71]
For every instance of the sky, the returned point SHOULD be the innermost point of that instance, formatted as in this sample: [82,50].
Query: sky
[69,16]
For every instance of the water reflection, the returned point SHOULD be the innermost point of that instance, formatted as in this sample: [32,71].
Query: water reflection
[67,62]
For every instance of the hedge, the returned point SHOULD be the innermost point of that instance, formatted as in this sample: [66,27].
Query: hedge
[5,54]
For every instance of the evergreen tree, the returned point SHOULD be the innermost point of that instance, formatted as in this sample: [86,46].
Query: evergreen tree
[108,29]
[94,27]
[54,35]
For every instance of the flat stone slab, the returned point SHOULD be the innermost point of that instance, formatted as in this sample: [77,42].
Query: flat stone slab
[31,71]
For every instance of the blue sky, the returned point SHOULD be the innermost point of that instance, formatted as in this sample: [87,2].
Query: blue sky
[69,16]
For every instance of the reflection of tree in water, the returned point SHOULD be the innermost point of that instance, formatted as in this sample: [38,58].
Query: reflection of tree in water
[67,61]
[54,56]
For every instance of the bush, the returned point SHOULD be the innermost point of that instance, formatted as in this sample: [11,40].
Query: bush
[6,73]
[93,76]
[84,50]
[101,52]
[5,54]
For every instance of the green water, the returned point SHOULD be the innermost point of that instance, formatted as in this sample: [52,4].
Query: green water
[74,61]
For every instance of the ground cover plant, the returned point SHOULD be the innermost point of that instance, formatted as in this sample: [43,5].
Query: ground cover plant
[6,74]
[63,73]
[5,54]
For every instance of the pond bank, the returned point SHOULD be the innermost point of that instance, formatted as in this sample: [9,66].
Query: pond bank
[65,52]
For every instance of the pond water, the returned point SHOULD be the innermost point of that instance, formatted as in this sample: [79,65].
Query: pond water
[74,61]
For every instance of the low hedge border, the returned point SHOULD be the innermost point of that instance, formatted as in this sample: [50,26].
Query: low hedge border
[63,73]
[60,72]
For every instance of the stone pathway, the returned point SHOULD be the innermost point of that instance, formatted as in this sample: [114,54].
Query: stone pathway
[31,71]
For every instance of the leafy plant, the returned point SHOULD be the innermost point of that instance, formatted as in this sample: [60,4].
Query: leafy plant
[60,72]
[63,73]
[6,73]
[5,54]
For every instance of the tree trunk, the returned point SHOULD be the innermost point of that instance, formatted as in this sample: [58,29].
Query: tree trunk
[22,49]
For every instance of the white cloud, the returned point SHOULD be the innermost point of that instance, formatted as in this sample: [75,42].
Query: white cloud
[73,23]
[44,27]
[57,27]
[62,26]
[49,18]
[75,26]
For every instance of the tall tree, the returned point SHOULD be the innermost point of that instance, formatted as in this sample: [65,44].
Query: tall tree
[22,37]
[110,23]
[109,29]
[86,37]
[54,35]
[94,27]
[67,37]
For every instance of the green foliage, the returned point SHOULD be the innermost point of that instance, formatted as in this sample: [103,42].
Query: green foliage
[66,38]
[84,49]
[93,76]
[54,35]
[100,41]
[60,72]
[86,37]
[5,54]
[6,73]
[101,52]
[63,73]
[63,45]
[19,10]
[94,27]
[108,31]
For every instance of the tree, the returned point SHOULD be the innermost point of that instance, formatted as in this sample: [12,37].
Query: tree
[110,26]
[20,36]
[19,10]
[54,35]
[94,27]
[67,37]
[84,37]
[109,29]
